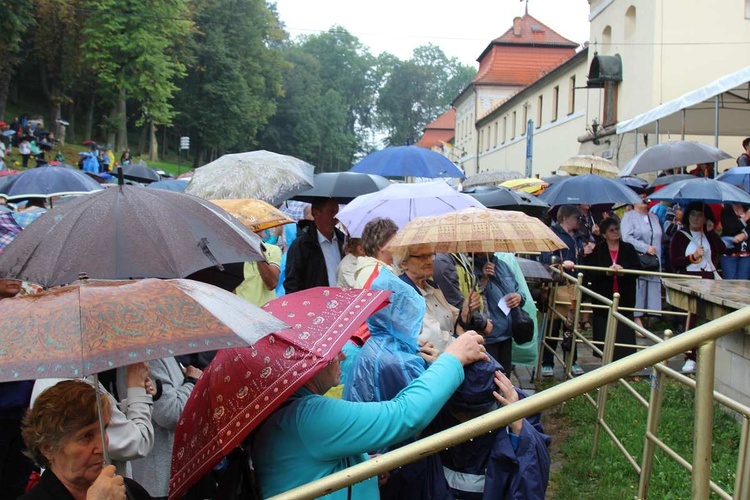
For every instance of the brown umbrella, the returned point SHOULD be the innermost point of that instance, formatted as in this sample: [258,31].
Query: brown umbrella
[479,230]
[256,215]
[589,164]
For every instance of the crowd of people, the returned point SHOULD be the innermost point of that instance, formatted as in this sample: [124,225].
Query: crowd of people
[440,353]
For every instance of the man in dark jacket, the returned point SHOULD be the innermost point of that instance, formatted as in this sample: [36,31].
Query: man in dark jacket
[316,253]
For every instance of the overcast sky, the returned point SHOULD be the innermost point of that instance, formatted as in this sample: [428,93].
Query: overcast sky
[462,28]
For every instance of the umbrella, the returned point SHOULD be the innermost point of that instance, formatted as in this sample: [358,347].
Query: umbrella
[261,175]
[737,176]
[702,189]
[506,198]
[177,185]
[9,228]
[186,175]
[635,183]
[407,161]
[667,179]
[402,203]
[47,146]
[589,189]
[95,325]
[9,133]
[256,215]
[294,209]
[47,182]
[589,164]
[88,143]
[491,178]
[9,171]
[553,179]
[139,172]
[241,387]
[479,230]
[343,186]
[132,232]
[532,269]
[672,155]
[528,185]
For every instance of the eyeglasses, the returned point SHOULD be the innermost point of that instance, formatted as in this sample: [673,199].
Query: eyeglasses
[425,256]
[613,230]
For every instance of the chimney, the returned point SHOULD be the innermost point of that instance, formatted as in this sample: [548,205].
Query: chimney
[517,26]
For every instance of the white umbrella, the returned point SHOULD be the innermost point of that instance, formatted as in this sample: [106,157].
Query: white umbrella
[262,175]
[402,203]
[589,164]
[672,155]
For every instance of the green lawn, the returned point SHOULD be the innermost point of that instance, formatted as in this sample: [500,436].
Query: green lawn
[608,475]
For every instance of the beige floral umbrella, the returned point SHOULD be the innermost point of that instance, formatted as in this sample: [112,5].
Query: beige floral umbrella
[589,164]
[479,230]
[256,215]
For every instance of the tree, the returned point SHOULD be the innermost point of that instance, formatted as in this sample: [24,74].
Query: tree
[133,47]
[229,92]
[415,92]
[15,21]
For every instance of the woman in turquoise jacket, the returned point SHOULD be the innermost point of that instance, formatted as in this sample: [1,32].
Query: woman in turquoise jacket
[312,436]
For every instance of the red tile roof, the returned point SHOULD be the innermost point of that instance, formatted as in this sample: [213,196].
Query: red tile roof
[527,30]
[440,131]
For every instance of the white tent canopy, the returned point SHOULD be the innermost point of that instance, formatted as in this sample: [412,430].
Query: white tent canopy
[696,111]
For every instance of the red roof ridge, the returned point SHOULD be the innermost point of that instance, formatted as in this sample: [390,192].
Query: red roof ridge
[529,30]
[445,121]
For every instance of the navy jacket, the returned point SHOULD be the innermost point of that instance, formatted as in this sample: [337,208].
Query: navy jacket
[305,264]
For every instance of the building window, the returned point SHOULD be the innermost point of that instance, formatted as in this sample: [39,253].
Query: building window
[572,94]
[540,106]
[606,39]
[525,118]
[513,127]
[505,128]
[555,102]
[630,22]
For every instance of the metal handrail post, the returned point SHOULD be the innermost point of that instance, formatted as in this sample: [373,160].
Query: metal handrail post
[577,296]
[607,354]
[549,320]
[652,426]
[704,420]
[742,481]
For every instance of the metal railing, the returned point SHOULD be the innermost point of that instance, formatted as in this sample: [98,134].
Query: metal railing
[703,336]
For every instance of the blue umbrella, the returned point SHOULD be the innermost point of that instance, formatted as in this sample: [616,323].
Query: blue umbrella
[8,133]
[176,185]
[737,176]
[589,189]
[46,182]
[408,161]
[635,183]
[702,189]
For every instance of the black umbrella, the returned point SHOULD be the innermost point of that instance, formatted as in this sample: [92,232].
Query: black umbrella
[131,232]
[47,146]
[139,172]
[635,183]
[508,199]
[553,179]
[589,189]
[45,182]
[343,186]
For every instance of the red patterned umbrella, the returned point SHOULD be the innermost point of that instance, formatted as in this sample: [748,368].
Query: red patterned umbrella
[241,387]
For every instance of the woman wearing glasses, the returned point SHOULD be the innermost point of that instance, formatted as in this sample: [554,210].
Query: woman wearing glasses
[615,254]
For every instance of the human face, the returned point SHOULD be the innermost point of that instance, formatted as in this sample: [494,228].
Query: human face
[9,288]
[612,233]
[79,459]
[696,220]
[330,376]
[418,265]
[325,216]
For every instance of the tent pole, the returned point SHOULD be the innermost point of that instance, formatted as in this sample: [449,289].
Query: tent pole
[635,135]
[657,131]
[683,125]
[716,132]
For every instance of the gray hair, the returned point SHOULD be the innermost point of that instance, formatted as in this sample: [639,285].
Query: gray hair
[376,234]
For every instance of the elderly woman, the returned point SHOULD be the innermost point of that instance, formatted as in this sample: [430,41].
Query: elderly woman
[375,237]
[642,229]
[614,254]
[313,436]
[63,435]
[441,320]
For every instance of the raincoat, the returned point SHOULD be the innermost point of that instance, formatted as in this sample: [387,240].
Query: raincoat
[387,363]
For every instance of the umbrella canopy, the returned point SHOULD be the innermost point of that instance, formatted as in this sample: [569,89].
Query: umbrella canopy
[702,189]
[589,164]
[479,230]
[139,172]
[534,270]
[343,186]
[91,326]
[506,198]
[527,185]
[294,209]
[241,387]
[589,190]
[667,179]
[635,183]
[491,178]
[9,171]
[408,161]
[672,155]
[187,175]
[402,203]
[260,175]
[256,215]
[737,176]
[47,182]
[129,232]
[552,179]
[8,133]
[177,185]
